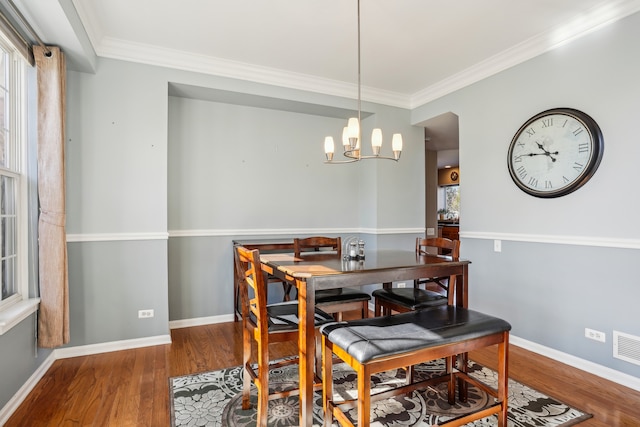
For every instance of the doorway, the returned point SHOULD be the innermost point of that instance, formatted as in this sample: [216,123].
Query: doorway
[441,154]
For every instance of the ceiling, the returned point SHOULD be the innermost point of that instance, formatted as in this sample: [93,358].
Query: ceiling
[412,51]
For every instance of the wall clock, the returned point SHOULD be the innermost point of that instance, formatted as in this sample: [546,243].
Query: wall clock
[555,152]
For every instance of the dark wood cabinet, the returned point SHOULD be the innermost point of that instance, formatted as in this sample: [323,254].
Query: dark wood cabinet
[450,232]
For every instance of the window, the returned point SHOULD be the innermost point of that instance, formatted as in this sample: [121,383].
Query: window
[452,200]
[449,200]
[13,180]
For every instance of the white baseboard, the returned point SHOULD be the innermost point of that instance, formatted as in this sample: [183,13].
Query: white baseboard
[86,350]
[576,362]
[200,321]
[23,392]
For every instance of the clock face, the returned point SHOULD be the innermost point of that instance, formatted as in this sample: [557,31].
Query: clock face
[555,152]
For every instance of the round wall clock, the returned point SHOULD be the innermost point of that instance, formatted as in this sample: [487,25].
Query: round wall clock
[555,152]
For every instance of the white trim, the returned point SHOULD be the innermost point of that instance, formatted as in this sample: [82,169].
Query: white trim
[200,321]
[109,47]
[15,313]
[106,347]
[292,231]
[576,362]
[605,242]
[16,400]
[594,19]
[110,237]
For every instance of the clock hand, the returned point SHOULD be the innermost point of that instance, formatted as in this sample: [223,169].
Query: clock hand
[547,153]
[535,154]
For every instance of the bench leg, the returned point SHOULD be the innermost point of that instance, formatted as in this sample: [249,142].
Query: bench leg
[364,396]
[503,378]
[327,380]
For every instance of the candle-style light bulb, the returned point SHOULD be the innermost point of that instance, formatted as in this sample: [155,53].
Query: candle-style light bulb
[329,147]
[396,145]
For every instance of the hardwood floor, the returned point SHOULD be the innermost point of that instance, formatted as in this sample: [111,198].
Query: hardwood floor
[131,388]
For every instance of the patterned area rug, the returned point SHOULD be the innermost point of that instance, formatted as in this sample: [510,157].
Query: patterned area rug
[214,399]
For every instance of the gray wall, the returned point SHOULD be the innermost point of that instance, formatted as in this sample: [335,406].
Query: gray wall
[239,170]
[566,263]
[143,165]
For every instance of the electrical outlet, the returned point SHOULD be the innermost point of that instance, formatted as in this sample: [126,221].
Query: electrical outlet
[402,285]
[497,245]
[431,231]
[144,314]
[595,335]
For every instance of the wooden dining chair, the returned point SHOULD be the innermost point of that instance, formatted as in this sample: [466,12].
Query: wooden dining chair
[265,323]
[333,301]
[436,289]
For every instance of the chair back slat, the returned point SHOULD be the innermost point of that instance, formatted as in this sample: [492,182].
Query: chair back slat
[451,247]
[252,278]
[317,243]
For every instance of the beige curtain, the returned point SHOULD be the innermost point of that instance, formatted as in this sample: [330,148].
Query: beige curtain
[53,320]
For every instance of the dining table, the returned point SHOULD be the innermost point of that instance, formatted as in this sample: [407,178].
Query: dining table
[319,271]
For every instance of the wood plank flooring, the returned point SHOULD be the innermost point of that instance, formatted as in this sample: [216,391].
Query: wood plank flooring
[131,388]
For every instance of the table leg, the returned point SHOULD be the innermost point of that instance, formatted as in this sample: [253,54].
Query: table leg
[306,344]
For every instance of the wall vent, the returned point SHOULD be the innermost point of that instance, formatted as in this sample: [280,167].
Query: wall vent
[626,347]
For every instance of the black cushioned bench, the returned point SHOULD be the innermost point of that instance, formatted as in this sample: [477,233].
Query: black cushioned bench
[384,343]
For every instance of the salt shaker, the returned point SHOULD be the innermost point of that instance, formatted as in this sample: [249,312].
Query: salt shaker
[353,254]
[361,249]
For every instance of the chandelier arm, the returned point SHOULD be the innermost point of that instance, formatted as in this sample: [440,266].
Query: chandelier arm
[338,162]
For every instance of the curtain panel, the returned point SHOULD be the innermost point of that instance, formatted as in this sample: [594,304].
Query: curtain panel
[53,319]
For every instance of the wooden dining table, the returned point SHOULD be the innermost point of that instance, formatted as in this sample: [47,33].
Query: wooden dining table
[321,271]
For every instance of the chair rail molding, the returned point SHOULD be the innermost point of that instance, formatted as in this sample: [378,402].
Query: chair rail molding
[605,242]
[111,237]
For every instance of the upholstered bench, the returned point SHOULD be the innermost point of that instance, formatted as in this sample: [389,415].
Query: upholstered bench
[384,343]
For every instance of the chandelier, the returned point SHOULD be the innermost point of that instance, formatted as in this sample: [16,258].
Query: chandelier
[351,134]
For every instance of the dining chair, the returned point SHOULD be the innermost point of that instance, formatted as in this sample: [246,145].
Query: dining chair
[265,323]
[333,301]
[436,289]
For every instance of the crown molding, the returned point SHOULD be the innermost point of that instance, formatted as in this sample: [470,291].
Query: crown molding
[595,19]
[601,15]
[187,61]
